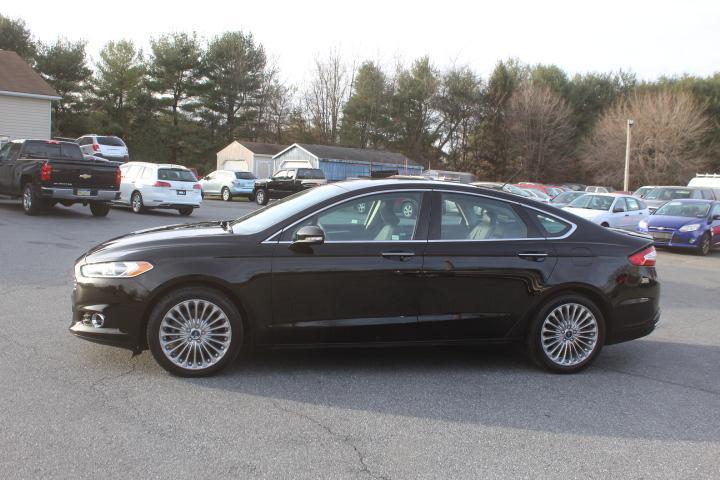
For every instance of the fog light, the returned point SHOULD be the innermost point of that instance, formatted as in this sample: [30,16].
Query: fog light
[97,320]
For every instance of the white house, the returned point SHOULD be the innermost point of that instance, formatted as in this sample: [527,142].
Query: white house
[249,156]
[25,100]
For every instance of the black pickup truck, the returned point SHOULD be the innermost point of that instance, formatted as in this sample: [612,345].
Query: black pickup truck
[46,172]
[285,182]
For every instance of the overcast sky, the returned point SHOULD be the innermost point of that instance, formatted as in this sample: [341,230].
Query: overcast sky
[650,38]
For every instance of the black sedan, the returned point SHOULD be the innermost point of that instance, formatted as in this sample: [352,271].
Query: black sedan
[471,266]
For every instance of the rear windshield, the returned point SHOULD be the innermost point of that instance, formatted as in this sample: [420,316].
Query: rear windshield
[42,149]
[110,141]
[310,173]
[669,194]
[176,175]
[244,176]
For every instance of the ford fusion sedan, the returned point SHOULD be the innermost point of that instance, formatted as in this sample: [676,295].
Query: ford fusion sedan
[471,266]
[610,210]
[689,224]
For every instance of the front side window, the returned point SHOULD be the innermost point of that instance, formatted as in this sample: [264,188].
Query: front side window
[470,217]
[385,217]
[620,205]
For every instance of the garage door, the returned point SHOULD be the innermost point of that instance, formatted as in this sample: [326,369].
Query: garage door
[236,165]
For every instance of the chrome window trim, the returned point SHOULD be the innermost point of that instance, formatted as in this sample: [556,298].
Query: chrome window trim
[573,226]
[282,230]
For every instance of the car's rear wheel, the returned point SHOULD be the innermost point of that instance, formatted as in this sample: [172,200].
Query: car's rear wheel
[99,209]
[261,197]
[567,334]
[226,195]
[136,203]
[185,211]
[31,201]
[704,246]
[194,332]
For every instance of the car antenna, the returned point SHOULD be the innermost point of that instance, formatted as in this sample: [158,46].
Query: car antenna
[512,177]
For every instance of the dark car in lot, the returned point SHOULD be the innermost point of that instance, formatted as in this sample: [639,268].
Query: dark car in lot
[286,181]
[688,224]
[46,172]
[472,266]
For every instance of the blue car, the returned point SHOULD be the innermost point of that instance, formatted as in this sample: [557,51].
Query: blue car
[686,223]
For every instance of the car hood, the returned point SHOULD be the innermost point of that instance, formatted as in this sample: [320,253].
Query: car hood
[585,212]
[159,237]
[668,221]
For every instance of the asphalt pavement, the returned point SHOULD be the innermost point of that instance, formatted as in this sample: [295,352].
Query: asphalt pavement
[649,408]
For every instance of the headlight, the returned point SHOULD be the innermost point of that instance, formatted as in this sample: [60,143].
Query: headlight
[689,228]
[115,269]
[643,226]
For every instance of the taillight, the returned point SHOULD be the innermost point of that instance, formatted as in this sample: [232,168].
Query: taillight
[644,258]
[46,172]
[118,177]
[96,147]
[197,186]
[161,184]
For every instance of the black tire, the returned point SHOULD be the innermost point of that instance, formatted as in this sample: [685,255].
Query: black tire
[50,203]
[605,224]
[66,203]
[251,197]
[536,336]
[31,201]
[136,203]
[225,194]
[185,211]
[99,209]
[704,245]
[261,196]
[167,303]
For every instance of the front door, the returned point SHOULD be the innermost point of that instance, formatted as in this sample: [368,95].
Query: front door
[361,285]
[485,263]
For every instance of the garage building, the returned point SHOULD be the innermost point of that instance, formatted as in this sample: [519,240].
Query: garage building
[25,100]
[250,157]
[339,163]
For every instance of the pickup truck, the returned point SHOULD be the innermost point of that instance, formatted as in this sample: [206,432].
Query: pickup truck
[285,182]
[46,172]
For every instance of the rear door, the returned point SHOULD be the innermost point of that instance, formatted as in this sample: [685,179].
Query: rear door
[485,264]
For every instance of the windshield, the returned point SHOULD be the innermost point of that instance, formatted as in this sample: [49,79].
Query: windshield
[669,194]
[593,202]
[276,212]
[567,197]
[176,174]
[244,176]
[684,209]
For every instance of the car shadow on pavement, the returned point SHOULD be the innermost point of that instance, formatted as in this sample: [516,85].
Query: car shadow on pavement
[672,383]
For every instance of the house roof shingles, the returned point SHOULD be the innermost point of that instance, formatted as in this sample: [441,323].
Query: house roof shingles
[263,148]
[358,154]
[18,77]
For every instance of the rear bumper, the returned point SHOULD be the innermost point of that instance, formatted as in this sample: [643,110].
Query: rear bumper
[171,200]
[72,194]
[240,190]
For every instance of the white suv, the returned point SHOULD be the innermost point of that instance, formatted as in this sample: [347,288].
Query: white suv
[104,146]
[150,185]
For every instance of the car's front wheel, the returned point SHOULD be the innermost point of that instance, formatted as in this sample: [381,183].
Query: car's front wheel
[567,334]
[704,246]
[194,332]
[226,195]
[261,196]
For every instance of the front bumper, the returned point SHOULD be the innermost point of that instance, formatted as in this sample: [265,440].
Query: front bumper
[95,195]
[677,239]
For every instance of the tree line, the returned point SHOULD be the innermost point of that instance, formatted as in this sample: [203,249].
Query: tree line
[188,97]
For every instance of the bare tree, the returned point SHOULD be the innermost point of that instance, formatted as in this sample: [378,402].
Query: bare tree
[667,145]
[326,95]
[541,130]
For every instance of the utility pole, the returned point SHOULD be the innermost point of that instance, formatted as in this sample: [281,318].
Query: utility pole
[626,183]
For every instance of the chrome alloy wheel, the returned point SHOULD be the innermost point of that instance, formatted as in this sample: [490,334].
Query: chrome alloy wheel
[569,334]
[195,334]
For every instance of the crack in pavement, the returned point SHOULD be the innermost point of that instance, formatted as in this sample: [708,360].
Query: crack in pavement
[660,380]
[345,439]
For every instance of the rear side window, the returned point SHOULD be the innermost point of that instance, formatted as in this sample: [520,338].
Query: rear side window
[244,176]
[552,227]
[43,149]
[176,174]
[470,217]
[310,174]
[110,141]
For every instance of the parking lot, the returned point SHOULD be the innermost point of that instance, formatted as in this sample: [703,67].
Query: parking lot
[72,409]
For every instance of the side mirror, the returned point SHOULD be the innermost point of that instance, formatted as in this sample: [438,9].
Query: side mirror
[309,235]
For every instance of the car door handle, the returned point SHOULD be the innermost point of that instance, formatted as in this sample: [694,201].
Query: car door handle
[402,256]
[534,256]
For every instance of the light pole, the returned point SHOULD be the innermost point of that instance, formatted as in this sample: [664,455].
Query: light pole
[626,183]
